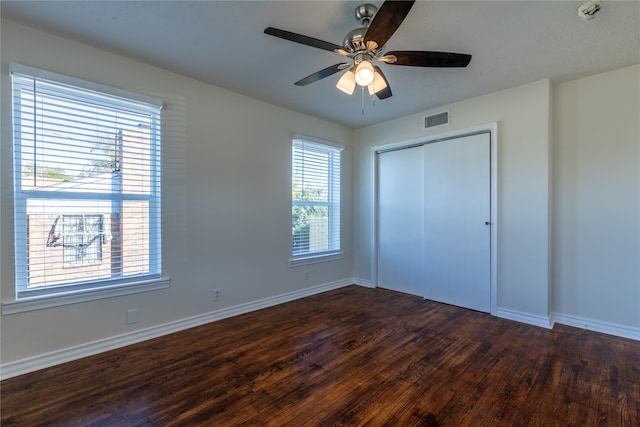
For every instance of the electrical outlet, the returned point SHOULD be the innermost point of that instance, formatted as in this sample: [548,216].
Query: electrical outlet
[132,316]
[217,294]
[306,275]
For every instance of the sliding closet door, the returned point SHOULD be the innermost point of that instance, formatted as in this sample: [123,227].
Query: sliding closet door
[401,221]
[456,222]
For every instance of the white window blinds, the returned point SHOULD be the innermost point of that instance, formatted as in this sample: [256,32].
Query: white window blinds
[315,197]
[86,184]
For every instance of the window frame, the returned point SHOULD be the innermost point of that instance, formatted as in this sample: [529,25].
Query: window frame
[335,212]
[26,299]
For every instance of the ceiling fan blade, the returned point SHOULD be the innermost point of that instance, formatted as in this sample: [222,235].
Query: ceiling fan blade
[416,58]
[386,92]
[387,20]
[299,38]
[326,72]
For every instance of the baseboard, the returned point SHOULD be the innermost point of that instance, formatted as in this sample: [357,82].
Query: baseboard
[597,326]
[363,282]
[518,316]
[57,357]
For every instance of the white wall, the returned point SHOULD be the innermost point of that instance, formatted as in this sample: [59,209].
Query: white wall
[596,216]
[523,120]
[226,200]
[569,234]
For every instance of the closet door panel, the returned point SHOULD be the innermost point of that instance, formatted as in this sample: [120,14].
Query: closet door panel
[401,220]
[456,213]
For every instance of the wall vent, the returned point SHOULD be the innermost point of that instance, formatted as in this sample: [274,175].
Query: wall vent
[437,119]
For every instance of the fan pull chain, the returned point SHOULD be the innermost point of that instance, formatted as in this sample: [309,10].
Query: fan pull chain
[362,100]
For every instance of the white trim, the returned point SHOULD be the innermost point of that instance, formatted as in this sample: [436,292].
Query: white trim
[597,326]
[374,220]
[19,367]
[56,300]
[495,195]
[35,363]
[363,282]
[519,316]
[85,84]
[492,128]
[323,143]
[314,259]
[425,139]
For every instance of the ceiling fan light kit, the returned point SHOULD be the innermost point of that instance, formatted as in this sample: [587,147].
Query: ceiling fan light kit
[364,73]
[377,84]
[364,46]
[347,82]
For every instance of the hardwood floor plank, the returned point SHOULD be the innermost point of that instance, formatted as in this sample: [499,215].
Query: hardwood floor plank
[349,357]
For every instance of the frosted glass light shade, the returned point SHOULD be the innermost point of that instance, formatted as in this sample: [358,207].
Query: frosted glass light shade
[377,84]
[347,82]
[364,73]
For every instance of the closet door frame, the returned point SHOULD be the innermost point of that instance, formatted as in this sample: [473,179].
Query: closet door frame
[492,128]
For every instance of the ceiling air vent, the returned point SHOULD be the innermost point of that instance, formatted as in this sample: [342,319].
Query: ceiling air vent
[437,119]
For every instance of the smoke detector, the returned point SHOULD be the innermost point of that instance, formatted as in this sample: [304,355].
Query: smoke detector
[588,10]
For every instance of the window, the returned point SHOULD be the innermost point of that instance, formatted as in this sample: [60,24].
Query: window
[86,185]
[315,200]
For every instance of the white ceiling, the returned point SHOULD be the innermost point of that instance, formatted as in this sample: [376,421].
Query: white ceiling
[222,42]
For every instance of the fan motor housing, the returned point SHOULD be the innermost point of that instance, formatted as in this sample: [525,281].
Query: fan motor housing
[354,41]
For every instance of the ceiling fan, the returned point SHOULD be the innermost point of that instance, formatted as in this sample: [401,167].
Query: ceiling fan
[365,45]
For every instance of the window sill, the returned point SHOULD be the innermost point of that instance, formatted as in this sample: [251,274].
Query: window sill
[48,301]
[315,258]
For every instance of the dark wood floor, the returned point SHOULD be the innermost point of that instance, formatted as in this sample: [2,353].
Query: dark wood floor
[349,357]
